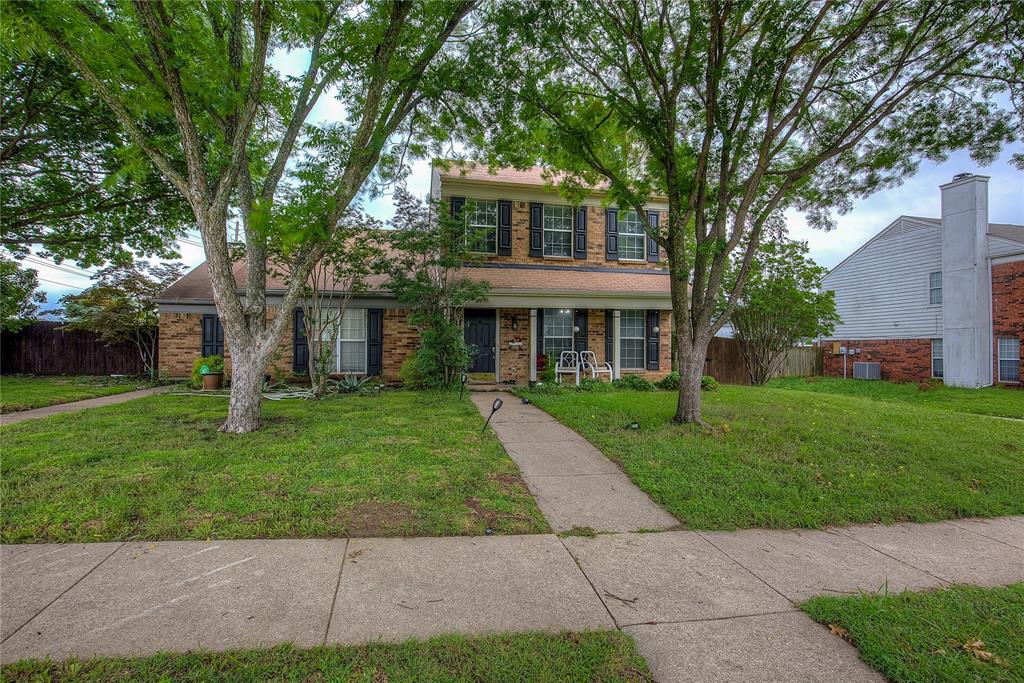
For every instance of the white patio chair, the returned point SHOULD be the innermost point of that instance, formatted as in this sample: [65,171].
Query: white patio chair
[588,359]
[568,364]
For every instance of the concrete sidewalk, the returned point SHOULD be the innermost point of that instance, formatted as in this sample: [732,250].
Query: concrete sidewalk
[718,603]
[98,402]
[574,483]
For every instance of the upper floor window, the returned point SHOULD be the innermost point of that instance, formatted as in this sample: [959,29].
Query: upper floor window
[631,339]
[482,227]
[557,230]
[632,236]
[937,358]
[935,287]
[1009,359]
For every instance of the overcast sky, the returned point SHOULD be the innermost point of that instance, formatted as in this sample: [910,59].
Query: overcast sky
[917,196]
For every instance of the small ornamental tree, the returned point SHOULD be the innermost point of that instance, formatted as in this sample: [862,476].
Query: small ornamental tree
[782,304]
[425,265]
[19,300]
[121,306]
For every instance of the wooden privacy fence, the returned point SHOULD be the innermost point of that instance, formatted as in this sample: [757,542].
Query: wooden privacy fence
[44,349]
[725,363]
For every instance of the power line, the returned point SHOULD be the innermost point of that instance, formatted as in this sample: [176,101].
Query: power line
[67,269]
[62,284]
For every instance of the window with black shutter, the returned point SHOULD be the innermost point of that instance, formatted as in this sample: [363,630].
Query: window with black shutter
[213,336]
[579,241]
[300,347]
[611,234]
[374,341]
[653,252]
[536,229]
[653,340]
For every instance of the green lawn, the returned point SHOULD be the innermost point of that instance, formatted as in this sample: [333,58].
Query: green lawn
[24,392]
[963,633]
[590,656]
[1001,400]
[781,459]
[395,464]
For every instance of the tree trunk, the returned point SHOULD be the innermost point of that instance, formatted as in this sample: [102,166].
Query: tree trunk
[692,354]
[247,371]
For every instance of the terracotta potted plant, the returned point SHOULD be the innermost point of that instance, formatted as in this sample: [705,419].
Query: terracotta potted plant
[208,372]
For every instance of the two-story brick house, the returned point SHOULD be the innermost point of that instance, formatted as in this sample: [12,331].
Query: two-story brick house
[561,277]
[935,298]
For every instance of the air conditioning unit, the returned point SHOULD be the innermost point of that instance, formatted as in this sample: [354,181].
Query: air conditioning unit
[863,370]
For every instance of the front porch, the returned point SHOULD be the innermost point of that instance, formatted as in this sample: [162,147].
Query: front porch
[633,340]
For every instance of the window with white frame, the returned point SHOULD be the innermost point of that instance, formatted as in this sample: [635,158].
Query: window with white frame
[632,236]
[935,287]
[937,358]
[557,230]
[557,331]
[482,226]
[1009,359]
[348,343]
[631,339]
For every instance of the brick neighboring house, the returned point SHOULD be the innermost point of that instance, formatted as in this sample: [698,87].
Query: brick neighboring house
[561,277]
[934,298]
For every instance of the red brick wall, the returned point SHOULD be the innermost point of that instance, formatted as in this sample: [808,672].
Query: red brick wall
[181,341]
[400,342]
[903,360]
[1007,306]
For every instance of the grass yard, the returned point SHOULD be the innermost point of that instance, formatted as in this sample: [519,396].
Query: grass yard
[591,656]
[394,464]
[25,392]
[781,459]
[963,633]
[998,400]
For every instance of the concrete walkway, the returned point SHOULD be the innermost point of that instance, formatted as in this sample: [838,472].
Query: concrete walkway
[22,415]
[704,606]
[574,483]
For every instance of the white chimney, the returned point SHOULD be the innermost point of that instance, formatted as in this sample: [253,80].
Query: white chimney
[966,283]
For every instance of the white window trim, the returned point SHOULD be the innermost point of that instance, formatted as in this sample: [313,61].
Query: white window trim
[941,357]
[470,227]
[545,336]
[932,288]
[336,365]
[1000,359]
[642,338]
[545,230]
[632,235]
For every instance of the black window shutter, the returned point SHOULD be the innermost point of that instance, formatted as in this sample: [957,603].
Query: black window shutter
[579,235]
[609,334]
[504,228]
[456,203]
[580,342]
[536,229]
[653,340]
[653,254]
[611,234]
[374,341]
[300,347]
[213,336]
[540,332]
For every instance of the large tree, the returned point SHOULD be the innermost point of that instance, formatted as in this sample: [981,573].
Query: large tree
[736,111]
[71,182]
[19,300]
[239,124]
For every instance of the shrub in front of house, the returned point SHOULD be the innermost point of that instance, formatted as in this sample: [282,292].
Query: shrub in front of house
[634,382]
[594,384]
[708,383]
[214,364]
[669,382]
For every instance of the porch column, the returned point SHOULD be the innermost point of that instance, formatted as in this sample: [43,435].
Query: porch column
[616,346]
[533,345]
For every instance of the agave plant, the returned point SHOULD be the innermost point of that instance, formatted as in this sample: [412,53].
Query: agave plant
[349,384]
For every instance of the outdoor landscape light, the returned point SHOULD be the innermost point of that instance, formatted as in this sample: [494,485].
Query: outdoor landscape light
[462,386]
[494,408]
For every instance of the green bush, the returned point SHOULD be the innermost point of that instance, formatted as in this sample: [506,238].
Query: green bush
[215,363]
[547,373]
[594,384]
[669,382]
[634,382]
[411,375]
[708,383]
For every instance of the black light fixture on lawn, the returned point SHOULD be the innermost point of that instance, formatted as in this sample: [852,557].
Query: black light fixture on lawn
[462,384]
[494,408]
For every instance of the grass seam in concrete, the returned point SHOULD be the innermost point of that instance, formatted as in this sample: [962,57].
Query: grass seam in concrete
[337,585]
[63,593]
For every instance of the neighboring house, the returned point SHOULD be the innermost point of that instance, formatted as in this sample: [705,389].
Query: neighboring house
[561,277]
[934,298]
